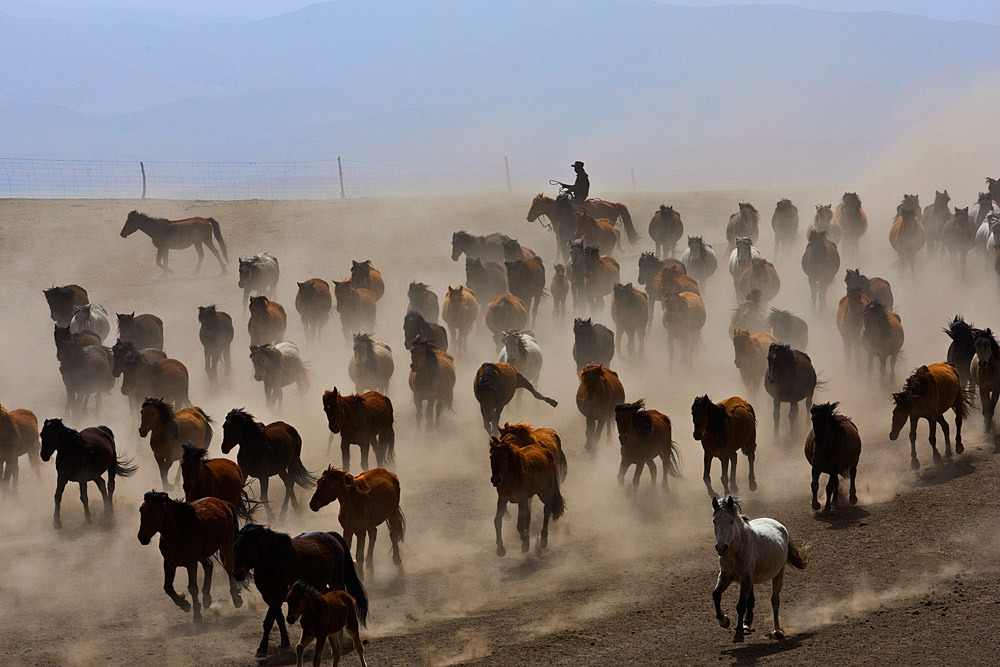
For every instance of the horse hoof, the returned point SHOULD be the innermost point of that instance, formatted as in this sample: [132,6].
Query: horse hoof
[778,634]
[525,547]
[724,621]
[914,464]
[261,653]
[501,551]
[237,601]
[815,505]
[959,448]
[198,619]
[397,561]
[184,605]
[738,638]
[57,525]
[854,499]
[753,486]
[206,601]
[938,460]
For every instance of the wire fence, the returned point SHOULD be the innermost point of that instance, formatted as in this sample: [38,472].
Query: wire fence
[310,179]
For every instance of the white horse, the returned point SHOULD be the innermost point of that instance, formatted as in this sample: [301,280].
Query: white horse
[278,366]
[371,367]
[699,259]
[742,255]
[91,317]
[986,234]
[259,274]
[750,552]
[523,352]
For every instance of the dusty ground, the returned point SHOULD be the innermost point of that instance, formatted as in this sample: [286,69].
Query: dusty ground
[908,576]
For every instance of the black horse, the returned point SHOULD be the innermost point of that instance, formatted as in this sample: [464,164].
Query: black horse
[415,325]
[592,343]
[790,378]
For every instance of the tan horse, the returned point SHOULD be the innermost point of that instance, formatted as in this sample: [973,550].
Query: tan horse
[599,392]
[364,275]
[168,430]
[683,318]
[170,235]
[505,313]
[459,313]
[928,393]
[761,275]
[356,306]
[882,337]
[432,380]
[599,232]
[850,321]
[751,356]
[724,429]
[267,322]
[645,435]
[18,437]
[907,237]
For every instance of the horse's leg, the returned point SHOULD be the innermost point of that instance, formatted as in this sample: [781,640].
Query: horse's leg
[498,525]
[589,443]
[947,440]
[815,487]
[746,586]
[993,406]
[166,260]
[300,648]
[776,416]
[169,569]
[264,483]
[543,538]
[102,487]
[705,478]
[85,500]
[417,402]
[365,446]
[345,452]
[524,523]
[372,534]
[721,585]
[725,475]
[269,617]
[60,486]
[793,416]
[854,490]
[201,256]
[776,584]
[206,588]
[732,473]
[637,475]
[622,469]
[211,247]
[334,648]
[651,464]
[914,463]
[164,467]
[932,436]
[286,477]
[282,630]
[832,492]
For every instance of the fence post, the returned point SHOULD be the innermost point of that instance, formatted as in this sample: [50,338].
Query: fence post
[143,168]
[506,168]
[340,171]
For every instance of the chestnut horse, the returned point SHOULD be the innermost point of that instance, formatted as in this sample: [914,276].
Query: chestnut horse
[494,387]
[630,313]
[613,211]
[672,277]
[873,288]
[321,615]
[513,251]
[215,478]
[522,435]
[356,306]
[18,437]
[167,378]
[751,356]
[314,302]
[683,318]
[144,331]
[505,312]
[833,447]
[372,366]
[191,533]
[365,420]
[432,380]
[366,501]
[170,235]
[852,220]
[168,431]
[785,224]
[215,331]
[644,435]
[267,322]
[599,277]
[724,429]
[650,265]
[364,275]
[526,280]
[63,301]
[761,275]
[882,336]
[459,313]
[928,393]
[599,232]
[907,237]
[666,229]
[850,321]
[599,392]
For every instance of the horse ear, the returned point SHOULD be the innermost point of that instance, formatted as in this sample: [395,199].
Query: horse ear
[729,502]
[336,392]
[715,503]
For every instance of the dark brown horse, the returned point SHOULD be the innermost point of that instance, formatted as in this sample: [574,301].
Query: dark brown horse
[488,280]
[683,317]
[788,328]
[314,302]
[432,380]
[86,372]
[934,218]
[593,343]
[166,378]
[365,420]
[513,251]
[364,275]
[215,331]
[785,223]
[63,301]
[191,533]
[267,322]
[494,386]
[962,348]
[645,435]
[790,378]
[724,429]
[833,447]
[562,218]
[265,451]
[487,248]
[852,220]
[959,237]
[650,265]
[850,321]
[526,280]
[83,456]
[874,288]
[356,306]
[144,331]
[821,261]
[415,325]
[666,229]
[985,368]
[18,437]
[422,300]
[630,312]
[170,235]
[120,354]
[215,478]
[83,338]
[882,337]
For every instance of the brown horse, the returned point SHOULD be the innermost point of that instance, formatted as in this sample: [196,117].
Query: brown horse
[356,306]
[83,338]
[833,447]
[83,457]
[120,353]
[882,337]
[459,313]
[749,314]
[821,261]
[170,235]
[644,435]
[850,321]
[613,211]
[415,325]
[366,501]
[494,386]
[759,275]
[650,265]
[630,313]
[215,331]
[985,371]
[168,431]
[559,288]
[487,281]
[852,220]
[788,328]
[928,393]
[751,356]
[593,343]
[314,302]
[599,232]
[191,533]
[526,280]
[672,277]
[18,437]
[824,221]
[487,248]
[63,302]
[666,229]
[364,275]
[724,429]
[907,237]
[959,237]
[144,331]
[322,615]
[167,378]
[962,347]
[432,380]
[422,300]
[215,478]
[506,312]
[785,223]
[745,222]
[513,251]
[874,288]
[265,451]
[562,217]
[599,392]
[599,277]
[934,218]
[790,378]
[522,435]
[85,371]
[683,318]
[267,322]
[361,419]
[518,474]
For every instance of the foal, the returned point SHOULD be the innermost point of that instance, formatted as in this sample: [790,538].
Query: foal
[322,615]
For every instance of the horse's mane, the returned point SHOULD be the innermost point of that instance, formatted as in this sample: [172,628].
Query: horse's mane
[70,434]
[876,306]
[851,198]
[987,333]
[164,409]
[817,235]
[365,339]
[303,586]
[664,209]
[914,386]
[413,316]
[514,333]
[958,327]
[826,413]
[418,287]
[145,215]
[192,453]
[754,213]
[781,351]
[283,540]
[428,344]
[754,296]
[784,203]
[242,415]
[183,507]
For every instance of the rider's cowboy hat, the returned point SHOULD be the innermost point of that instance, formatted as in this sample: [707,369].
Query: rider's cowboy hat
[577,164]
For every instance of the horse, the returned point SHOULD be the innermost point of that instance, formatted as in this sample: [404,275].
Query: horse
[278,366]
[759,275]
[371,367]
[259,274]
[650,265]
[422,300]
[751,356]
[513,251]
[167,378]
[985,371]
[487,281]
[365,420]
[993,186]
[432,380]
[593,343]
[314,302]
[852,220]
[599,392]
[962,348]
[169,430]
[215,331]
[83,456]
[63,301]
[850,321]
[170,235]
[120,353]
[788,328]
[599,232]
[278,560]
[820,261]
[749,314]
[215,478]
[487,248]
[613,211]
[874,288]
[724,429]
[910,203]
[785,223]
[505,312]
[18,437]
[666,229]
[518,474]
[267,322]
[274,449]
[415,325]
[494,386]
[364,275]
[882,336]
[833,447]
[790,378]
[522,351]
[562,216]
[599,277]
[526,280]
[907,237]
[91,317]
[672,278]
[85,371]
[928,393]
[559,288]
[459,313]
[366,501]
[745,222]
[699,259]
[934,218]
[645,435]
[683,318]
[959,237]
[356,306]
[574,271]
[741,256]
[84,338]
[144,331]
[522,435]
[750,552]
[321,615]
[630,313]
[823,221]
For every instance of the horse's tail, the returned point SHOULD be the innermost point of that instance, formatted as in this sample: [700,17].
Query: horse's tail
[124,466]
[563,466]
[630,231]
[965,402]
[558,503]
[397,525]
[796,556]
[673,461]
[248,505]
[301,476]
[351,581]
[208,427]
[217,232]
[387,439]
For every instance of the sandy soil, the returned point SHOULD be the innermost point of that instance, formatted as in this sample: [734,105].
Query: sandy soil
[907,576]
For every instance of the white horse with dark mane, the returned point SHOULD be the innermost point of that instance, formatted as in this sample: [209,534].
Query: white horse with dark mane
[371,367]
[742,255]
[523,352]
[750,552]
[259,274]
[699,259]
[91,317]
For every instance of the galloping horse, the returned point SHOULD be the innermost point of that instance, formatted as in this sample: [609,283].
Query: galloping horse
[215,331]
[562,217]
[170,235]
[645,435]
[599,392]
[356,306]
[751,356]
[215,478]
[415,325]
[486,280]
[833,447]
[460,312]
[365,420]
[741,256]
[724,429]
[874,288]
[522,351]
[699,259]
[559,288]
[505,312]
[62,302]
[432,380]
[630,312]
[785,223]
[278,366]
[666,229]
[600,273]
[907,237]
[321,615]
[487,248]
[259,274]
[494,386]
[962,348]
[790,378]
[18,437]
[761,275]
[824,222]
[750,314]
[683,318]
[934,218]
[267,322]
[168,431]
[928,393]
[959,237]
[314,302]
[850,321]
[882,336]
[144,331]
[985,369]
[821,261]
[593,343]
[745,222]
[364,275]
[372,366]
[422,300]
[90,317]
[599,232]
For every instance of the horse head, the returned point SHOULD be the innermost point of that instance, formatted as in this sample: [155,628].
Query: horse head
[780,362]
[152,515]
[255,545]
[729,522]
[258,304]
[191,465]
[632,418]
[986,347]
[237,426]
[153,411]
[501,454]
[54,434]
[131,224]
[333,409]
[330,486]
[422,354]
[266,360]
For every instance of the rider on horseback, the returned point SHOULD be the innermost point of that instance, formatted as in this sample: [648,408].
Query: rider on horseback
[581,188]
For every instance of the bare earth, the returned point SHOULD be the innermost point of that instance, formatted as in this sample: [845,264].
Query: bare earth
[909,576]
